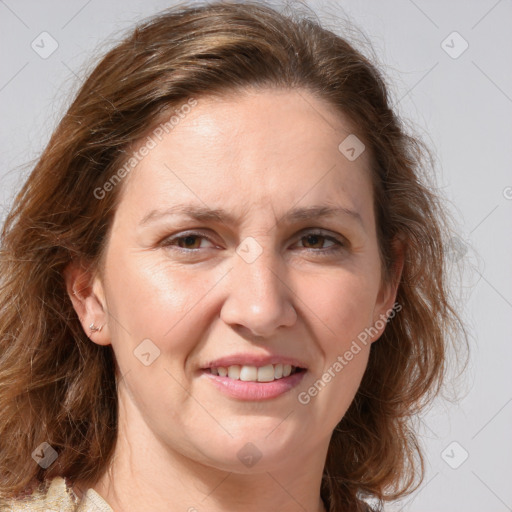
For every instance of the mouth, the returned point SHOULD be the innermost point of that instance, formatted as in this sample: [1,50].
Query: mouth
[250,373]
[254,383]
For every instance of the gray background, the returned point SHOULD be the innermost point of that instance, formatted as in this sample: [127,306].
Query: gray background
[462,106]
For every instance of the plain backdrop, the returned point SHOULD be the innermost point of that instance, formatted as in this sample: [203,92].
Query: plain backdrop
[449,65]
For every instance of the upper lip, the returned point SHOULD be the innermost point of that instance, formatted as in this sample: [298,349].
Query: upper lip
[252,360]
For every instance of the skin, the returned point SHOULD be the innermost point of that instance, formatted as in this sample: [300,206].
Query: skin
[256,154]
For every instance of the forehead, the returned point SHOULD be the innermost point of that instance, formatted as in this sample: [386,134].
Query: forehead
[254,148]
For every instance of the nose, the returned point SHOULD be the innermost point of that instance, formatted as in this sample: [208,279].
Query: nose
[260,300]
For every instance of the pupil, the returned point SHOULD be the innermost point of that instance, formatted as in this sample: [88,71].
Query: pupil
[189,240]
[314,237]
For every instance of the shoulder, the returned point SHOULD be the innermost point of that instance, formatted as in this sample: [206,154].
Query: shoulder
[55,495]
[52,495]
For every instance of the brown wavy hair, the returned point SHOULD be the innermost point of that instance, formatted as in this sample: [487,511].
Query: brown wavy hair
[57,386]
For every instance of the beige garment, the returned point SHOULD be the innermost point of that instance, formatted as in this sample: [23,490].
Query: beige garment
[57,497]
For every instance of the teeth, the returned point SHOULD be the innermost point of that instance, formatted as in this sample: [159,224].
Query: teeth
[266,373]
[249,373]
[233,372]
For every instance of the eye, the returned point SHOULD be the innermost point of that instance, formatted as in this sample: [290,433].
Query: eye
[185,242]
[319,238]
[192,241]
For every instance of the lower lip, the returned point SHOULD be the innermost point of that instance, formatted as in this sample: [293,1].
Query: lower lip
[254,391]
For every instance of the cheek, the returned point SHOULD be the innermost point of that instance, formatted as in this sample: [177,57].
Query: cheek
[344,303]
[156,302]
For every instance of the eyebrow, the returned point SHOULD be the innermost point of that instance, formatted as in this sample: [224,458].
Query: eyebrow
[205,214]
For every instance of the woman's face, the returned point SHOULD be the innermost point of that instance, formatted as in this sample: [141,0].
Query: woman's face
[268,277]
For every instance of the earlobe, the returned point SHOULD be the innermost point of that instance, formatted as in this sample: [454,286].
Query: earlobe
[386,300]
[87,296]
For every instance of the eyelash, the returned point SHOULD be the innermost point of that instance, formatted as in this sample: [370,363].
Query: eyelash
[338,247]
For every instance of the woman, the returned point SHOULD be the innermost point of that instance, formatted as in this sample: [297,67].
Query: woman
[223,284]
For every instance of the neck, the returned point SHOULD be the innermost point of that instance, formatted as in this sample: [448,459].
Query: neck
[144,471]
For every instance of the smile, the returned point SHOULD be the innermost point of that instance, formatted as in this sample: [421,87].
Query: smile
[248,373]
[252,383]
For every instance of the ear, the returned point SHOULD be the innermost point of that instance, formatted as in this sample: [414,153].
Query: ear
[86,292]
[385,303]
